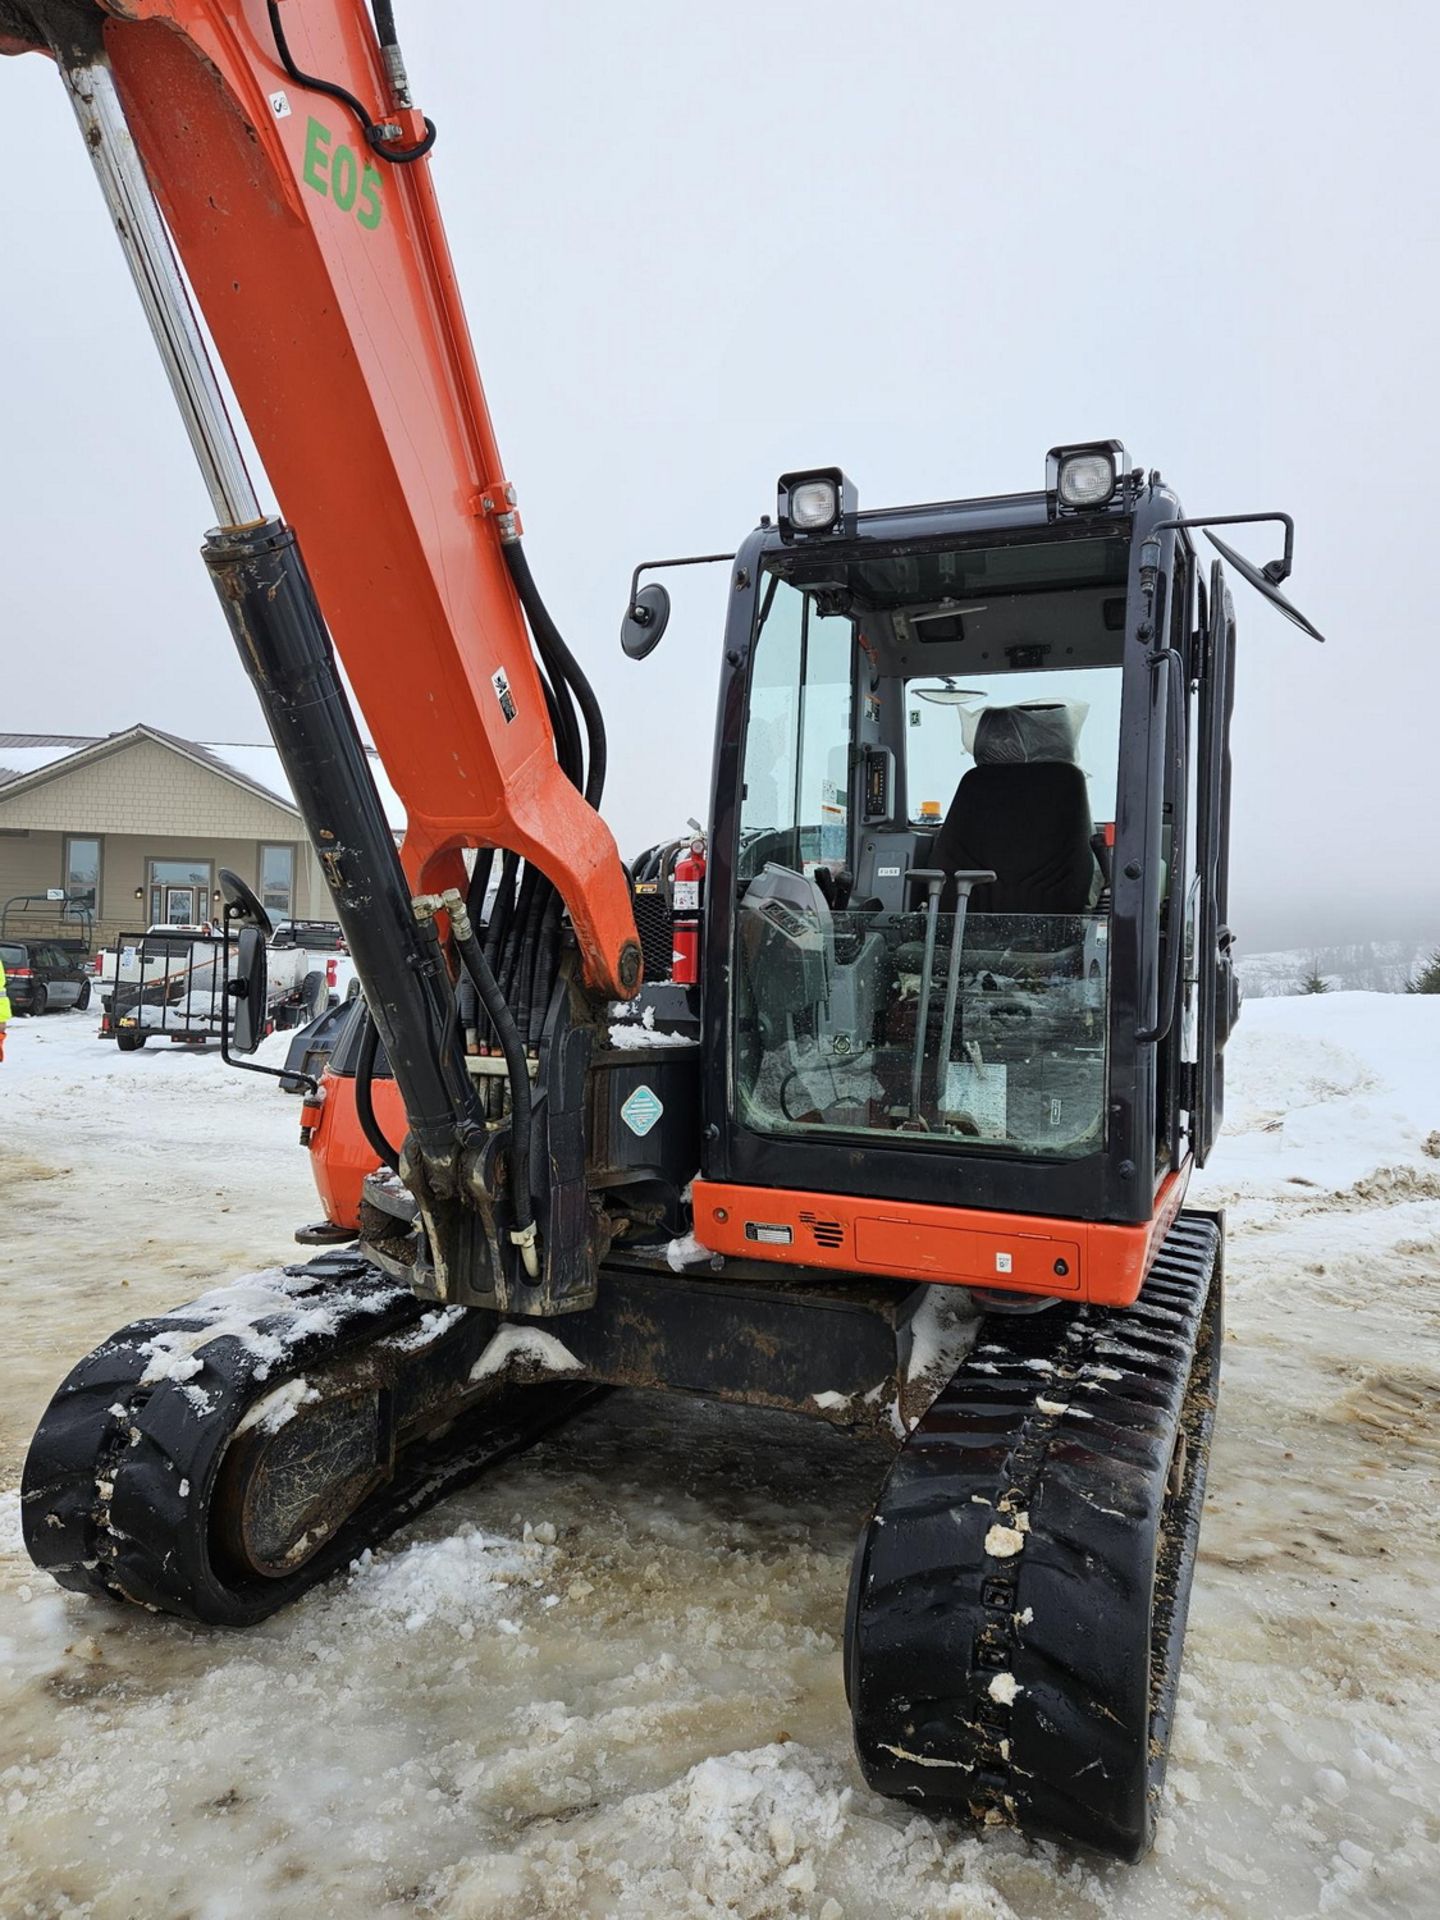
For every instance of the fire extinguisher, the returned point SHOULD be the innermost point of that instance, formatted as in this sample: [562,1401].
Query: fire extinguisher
[686,898]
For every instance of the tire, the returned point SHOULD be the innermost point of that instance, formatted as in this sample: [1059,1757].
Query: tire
[82,1000]
[39,1000]
[131,1042]
[314,996]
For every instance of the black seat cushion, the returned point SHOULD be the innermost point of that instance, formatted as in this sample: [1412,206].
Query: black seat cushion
[1029,823]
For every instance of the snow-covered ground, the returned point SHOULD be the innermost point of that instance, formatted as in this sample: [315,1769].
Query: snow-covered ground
[606,1680]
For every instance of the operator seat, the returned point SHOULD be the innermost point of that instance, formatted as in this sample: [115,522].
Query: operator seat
[1022,812]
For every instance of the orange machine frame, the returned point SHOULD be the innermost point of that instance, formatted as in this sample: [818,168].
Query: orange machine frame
[1010,1252]
[325,279]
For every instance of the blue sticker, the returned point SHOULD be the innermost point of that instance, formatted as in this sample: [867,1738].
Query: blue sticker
[641,1111]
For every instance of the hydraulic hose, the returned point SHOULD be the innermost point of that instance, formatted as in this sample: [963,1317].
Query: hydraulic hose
[371,129]
[523,981]
[503,908]
[515,932]
[479,884]
[513,1047]
[364,1094]
[545,967]
[569,751]
[548,639]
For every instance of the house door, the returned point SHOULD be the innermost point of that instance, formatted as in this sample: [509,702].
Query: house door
[179,892]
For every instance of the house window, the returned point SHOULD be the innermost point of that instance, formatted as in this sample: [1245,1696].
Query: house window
[82,873]
[277,879]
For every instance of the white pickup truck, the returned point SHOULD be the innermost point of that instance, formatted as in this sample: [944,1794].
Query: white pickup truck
[169,981]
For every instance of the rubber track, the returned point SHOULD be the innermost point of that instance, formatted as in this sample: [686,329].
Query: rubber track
[1036,1687]
[115,1499]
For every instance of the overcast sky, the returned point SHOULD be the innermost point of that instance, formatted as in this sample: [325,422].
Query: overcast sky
[702,244]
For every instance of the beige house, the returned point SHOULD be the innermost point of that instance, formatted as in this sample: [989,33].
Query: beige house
[138,824]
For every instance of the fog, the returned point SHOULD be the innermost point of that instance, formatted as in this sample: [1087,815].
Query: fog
[701,246]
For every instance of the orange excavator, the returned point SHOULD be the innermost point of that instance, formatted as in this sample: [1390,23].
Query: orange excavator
[875,1099]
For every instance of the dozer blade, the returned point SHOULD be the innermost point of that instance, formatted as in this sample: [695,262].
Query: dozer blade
[1018,1601]
[219,1460]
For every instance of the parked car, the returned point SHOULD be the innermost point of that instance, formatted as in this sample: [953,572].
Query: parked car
[40,976]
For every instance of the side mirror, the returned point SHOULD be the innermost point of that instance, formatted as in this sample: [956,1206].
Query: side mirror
[244,906]
[646,619]
[246,991]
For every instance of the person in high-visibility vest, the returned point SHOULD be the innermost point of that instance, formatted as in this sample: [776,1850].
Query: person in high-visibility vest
[4,1009]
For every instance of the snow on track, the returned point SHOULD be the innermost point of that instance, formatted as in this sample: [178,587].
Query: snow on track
[605,1681]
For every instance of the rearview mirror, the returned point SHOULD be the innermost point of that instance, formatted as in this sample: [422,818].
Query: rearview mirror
[243,905]
[1265,580]
[646,619]
[246,991]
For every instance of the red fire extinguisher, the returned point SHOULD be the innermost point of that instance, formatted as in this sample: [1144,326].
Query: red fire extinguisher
[686,900]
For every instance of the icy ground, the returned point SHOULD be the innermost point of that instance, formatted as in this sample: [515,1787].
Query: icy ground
[606,1682]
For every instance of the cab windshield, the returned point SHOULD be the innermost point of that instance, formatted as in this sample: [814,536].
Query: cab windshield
[922,920]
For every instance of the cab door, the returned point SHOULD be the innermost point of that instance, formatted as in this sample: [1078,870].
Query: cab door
[1216,986]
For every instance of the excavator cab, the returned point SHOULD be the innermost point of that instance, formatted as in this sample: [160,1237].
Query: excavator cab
[969,977]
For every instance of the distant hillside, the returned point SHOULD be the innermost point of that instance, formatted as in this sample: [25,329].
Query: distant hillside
[1371,966]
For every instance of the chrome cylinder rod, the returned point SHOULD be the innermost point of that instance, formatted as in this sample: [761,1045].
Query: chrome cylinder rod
[156,273]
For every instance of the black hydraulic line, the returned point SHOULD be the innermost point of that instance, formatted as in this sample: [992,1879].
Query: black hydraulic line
[365,1095]
[569,754]
[513,1047]
[384,23]
[515,932]
[550,641]
[546,957]
[523,982]
[452,1048]
[572,759]
[272,612]
[503,908]
[374,136]
[479,884]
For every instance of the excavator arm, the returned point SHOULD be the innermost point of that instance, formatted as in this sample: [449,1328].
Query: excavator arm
[316,253]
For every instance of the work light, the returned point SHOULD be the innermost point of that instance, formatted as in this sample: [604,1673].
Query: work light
[810,505]
[1083,478]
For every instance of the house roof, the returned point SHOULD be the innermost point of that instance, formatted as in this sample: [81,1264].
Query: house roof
[29,760]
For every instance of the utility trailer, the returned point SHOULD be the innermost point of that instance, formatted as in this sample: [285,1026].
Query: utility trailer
[54,917]
[169,983]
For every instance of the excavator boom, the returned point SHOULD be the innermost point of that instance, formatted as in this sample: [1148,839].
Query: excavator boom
[318,259]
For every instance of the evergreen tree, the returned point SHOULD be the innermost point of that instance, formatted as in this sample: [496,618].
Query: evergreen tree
[1314,981]
[1428,978]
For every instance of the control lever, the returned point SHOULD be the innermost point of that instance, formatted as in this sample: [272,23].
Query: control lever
[963,884]
[934,878]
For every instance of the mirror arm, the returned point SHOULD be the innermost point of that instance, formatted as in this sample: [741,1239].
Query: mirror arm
[311,1084]
[1274,570]
[651,566]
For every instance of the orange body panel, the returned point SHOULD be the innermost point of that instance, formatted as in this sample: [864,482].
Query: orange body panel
[957,1246]
[325,279]
[340,1155]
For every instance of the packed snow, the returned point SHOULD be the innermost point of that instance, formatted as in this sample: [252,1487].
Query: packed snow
[606,1680]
